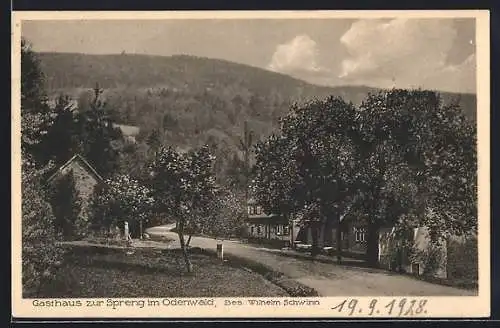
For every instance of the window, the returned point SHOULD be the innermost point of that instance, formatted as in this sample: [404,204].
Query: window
[286,230]
[258,210]
[259,229]
[250,210]
[359,235]
[279,229]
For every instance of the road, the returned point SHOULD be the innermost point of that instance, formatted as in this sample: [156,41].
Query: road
[327,278]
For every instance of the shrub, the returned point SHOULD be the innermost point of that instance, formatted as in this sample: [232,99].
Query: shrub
[121,199]
[66,205]
[463,258]
[40,252]
[431,258]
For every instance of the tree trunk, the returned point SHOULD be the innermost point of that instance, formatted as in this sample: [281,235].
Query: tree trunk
[188,241]
[339,242]
[289,220]
[189,266]
[315,231]
[140,229]
[372,245]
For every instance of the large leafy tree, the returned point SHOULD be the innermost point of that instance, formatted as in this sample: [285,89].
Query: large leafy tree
[277,186]
[122,198]
[229,216]
[312,164]
[418,165]
[185,189]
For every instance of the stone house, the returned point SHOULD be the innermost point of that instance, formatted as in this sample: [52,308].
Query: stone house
[86,178]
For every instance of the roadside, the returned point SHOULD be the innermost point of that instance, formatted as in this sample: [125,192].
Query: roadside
[328,279]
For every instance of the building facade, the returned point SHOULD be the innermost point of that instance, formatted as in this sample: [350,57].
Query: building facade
[268,228]
[86,178]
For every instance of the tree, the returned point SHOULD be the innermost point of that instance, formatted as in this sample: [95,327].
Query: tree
[418,156]
[185,188]
[62,139]
[40,251]
[312,164]
[228,219]
[323,136]
[66,205]
[33,97]
[277,186]
[134,159]
[154,140]
[100,140]
[120,199]
[35,118]
[246,143]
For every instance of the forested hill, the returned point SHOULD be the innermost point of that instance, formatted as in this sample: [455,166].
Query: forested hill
[192,100]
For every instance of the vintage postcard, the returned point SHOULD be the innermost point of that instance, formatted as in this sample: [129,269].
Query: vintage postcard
[318,164]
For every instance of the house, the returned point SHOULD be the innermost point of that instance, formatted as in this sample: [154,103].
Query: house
[274,229]
[86,178]
[419,238]
[268,228]
[353,236]
[354,244]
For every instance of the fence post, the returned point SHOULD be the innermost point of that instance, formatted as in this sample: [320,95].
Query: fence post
[220,250]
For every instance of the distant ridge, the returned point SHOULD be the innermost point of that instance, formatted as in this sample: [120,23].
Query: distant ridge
[194,100]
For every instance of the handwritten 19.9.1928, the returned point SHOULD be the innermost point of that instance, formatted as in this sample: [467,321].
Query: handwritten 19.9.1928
[396,307]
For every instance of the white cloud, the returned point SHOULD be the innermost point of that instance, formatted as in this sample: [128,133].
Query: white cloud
[299,54]
[404,53]
[461,77]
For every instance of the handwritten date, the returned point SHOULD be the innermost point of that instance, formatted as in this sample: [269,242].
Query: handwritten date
[396,307]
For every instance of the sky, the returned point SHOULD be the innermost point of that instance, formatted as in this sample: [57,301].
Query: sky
[428,53]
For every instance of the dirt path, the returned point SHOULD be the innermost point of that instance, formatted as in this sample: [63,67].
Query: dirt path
[327,278]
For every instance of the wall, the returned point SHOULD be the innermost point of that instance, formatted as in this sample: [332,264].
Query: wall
[328,237]
[85,183]
[421,242]
[267,231]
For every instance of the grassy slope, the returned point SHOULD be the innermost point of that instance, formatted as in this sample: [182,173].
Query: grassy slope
[150,274]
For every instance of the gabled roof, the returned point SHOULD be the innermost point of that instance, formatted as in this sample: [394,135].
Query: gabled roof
[82,160]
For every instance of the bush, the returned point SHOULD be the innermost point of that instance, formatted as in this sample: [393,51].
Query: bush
[121,199]
[66,205]
[431,258]
[463,258]
[40,253]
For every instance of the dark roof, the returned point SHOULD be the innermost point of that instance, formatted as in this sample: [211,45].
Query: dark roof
[82,160]
[264,218]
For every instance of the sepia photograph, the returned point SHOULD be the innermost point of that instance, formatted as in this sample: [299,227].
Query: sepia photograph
[213,164]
